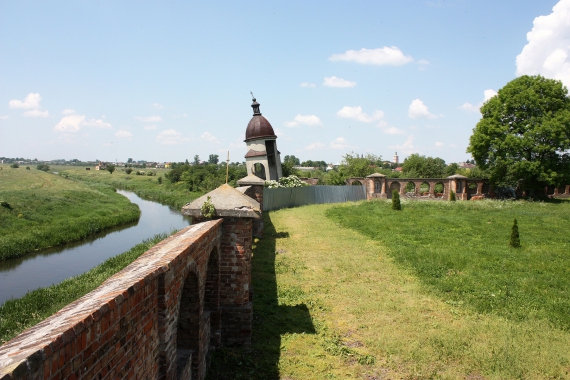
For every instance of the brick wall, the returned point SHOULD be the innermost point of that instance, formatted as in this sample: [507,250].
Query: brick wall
[157,318]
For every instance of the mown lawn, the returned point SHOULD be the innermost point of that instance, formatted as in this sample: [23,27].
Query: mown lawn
[358,291]
[40,210]
[147,187]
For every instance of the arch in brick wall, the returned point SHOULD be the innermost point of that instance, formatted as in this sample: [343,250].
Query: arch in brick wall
[411,188]
[393,186]
[212,297]
[439,189]
[188,329]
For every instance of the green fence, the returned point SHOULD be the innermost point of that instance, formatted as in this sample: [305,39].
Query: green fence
[274,199]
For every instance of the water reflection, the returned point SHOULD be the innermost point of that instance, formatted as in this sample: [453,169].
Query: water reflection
[47,267]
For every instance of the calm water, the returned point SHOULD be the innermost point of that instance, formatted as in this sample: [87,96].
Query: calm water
[18,276]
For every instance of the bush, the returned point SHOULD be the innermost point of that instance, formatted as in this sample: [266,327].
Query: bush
[396,205]
[128,170]
[452,195]
[159,180]
[15,165]
[291,181]
[43,167]
[27,168]
[515,239]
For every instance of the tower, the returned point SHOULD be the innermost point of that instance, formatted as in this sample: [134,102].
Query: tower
[262,158]
[396,158]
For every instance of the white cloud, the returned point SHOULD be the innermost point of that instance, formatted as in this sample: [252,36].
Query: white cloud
[169,137]
[407,146]
[356,113]
[439,144]
[4,117]
[73,123]
[487,94]
[150,127]
[340,143]
[157,106]
[36,113]
[307,84]
[392,131]
[418,110]
[548,48]
[68,112]
[31,101]
[423,62]
[207,136]
[381,56]
[123,134]
[338,82]
[148,119]
[310,120]
[97,123]
[314,146]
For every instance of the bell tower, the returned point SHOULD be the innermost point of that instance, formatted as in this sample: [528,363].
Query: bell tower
[262,158]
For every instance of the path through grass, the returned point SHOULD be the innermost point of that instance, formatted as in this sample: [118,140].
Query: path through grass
[332,303]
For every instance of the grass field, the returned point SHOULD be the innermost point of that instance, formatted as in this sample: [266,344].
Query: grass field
[359,291]
[42,210]
[19,314]
[146,187]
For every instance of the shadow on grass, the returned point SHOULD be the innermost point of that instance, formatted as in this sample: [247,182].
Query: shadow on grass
[270,320]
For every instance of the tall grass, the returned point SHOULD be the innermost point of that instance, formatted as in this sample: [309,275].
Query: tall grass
[42,210]
[461,251]
[19,314]
[173,195]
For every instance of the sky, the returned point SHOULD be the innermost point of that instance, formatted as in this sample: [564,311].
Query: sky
[165,81]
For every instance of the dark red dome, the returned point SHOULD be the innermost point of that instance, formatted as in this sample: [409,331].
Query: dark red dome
[258,126]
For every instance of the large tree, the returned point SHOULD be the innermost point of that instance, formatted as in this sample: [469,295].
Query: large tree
[416,166]
[524,134]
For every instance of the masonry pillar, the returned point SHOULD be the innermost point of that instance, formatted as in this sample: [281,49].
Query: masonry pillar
[371,179]
[252,186]
[458,185]
[238,212]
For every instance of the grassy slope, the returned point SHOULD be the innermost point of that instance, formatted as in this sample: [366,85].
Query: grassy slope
[19,314]
[334,304]
[147,187]
[48,210]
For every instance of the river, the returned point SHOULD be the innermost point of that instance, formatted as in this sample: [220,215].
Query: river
[47,267]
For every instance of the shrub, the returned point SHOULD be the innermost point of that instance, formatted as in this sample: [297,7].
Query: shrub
[208,210]
[515,240]
[452,195]
[159,179]
[396,205]
[43,167]
[128,170]
[15,165]
[27,168]
[111,168]
[291,181]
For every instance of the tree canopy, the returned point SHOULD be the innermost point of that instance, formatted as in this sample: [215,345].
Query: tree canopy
[524,133]
[416,166]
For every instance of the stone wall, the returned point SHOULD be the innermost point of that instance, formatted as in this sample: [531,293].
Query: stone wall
[157,318]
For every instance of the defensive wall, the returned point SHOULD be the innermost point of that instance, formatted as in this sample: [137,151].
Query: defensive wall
[379,186]
[160,316]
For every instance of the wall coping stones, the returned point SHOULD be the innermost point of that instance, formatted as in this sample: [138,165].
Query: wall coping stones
[251,179]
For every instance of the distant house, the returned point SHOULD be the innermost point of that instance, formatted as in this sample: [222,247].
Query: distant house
[167,165]
[398,169]
[101,166]
[465,165]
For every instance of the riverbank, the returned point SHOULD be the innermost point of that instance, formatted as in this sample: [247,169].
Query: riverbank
[153,188]
[41,210]
[19,314]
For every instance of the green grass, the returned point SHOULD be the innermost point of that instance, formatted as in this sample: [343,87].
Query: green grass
[331,302]
[146,187]
[42,210]
[19,314]
[461,250]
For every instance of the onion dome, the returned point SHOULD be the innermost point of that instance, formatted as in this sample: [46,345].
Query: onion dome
[258,127]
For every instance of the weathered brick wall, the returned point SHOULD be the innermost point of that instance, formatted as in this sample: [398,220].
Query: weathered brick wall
[157,318]
[256,192]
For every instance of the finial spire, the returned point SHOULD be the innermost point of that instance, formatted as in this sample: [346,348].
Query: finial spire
[252,97]
[255,106]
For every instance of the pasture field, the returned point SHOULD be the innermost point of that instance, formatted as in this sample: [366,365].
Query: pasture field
[19,314]
[146,187]
[41,210]
[359,291]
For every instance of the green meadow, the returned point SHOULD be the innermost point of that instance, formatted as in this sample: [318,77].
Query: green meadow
[147,187]
[40,210]
[359,291]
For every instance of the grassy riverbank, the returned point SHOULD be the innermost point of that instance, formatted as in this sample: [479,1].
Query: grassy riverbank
[19,314]
[41,210]
[340,295]
[146,187]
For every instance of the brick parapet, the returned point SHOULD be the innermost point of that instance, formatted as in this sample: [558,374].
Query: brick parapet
[125,328]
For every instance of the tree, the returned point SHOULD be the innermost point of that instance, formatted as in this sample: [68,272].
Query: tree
[111,168]
[196,160]
[43,167]
[416,166]
[515,241]
[396,205]
[294,161]
[524,133]
[213,159]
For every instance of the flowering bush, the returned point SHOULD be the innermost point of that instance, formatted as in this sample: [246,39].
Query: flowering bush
[291,181]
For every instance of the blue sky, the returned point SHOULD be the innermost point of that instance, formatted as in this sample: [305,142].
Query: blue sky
[164,81]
